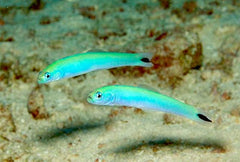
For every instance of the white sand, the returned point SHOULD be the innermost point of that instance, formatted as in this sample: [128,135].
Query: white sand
[77,131]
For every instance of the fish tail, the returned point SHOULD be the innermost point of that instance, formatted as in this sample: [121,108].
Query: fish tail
[201,117]
[145,59]
[196,115]
[204,118]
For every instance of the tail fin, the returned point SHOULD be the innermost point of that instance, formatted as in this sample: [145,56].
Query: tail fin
[204,118]
[145,59]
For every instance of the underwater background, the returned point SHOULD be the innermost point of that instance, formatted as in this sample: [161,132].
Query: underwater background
[196,60]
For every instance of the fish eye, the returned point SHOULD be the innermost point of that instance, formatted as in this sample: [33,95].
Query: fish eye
[98,94]
[47,75]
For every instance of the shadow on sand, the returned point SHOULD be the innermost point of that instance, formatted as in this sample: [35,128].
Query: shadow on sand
[215,146]
[69,129]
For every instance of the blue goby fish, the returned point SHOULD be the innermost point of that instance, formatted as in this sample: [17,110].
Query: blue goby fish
[82,63]
[122,95]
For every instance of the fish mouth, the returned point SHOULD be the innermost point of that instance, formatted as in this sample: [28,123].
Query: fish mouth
[89,99]
[40,80]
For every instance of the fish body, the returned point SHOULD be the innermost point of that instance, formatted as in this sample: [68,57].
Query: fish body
[122,95]
[86,62]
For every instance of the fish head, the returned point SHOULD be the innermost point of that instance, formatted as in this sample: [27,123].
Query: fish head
[48,75]
[101,97]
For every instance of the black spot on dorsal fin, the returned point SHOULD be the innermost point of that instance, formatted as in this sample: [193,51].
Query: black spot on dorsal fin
[203,117]
[145,59]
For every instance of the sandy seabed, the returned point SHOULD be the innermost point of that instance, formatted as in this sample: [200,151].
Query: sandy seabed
[197,60]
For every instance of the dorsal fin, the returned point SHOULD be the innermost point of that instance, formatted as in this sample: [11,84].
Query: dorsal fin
[94,50]
[145,86]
